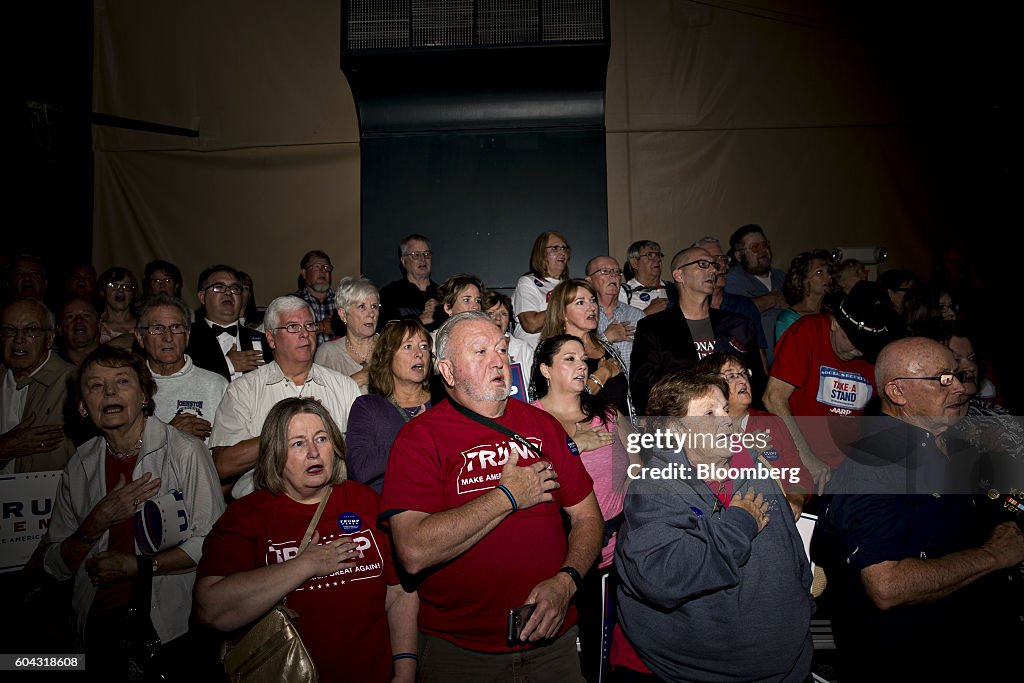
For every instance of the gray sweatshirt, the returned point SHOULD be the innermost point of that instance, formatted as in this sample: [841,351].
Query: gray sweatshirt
[704,596]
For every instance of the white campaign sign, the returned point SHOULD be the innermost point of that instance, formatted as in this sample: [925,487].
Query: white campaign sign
[26,502]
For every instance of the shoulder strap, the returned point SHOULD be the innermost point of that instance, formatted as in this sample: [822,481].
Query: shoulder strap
[488,422]
[316,518]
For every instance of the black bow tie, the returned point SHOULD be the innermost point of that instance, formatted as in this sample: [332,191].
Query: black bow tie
[218,330]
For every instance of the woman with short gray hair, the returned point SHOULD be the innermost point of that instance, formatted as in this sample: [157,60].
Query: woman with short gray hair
[358,307]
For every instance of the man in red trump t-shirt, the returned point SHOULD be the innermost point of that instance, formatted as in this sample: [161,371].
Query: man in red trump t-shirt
[478,516]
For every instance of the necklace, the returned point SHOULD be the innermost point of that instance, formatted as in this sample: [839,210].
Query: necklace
[352,350]
[130,451]
[406,413]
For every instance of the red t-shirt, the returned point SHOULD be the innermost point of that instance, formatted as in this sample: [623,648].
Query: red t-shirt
[342,619]
[825,385]
[442,460]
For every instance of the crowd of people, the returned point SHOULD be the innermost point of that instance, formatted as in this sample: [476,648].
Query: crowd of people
[596,478]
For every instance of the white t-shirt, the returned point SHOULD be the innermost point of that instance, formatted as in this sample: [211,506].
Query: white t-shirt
[640,296]
[531,295]
[191,390]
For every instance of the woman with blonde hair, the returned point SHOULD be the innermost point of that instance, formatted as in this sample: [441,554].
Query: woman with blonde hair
[549,265]
[573,310]
[253,558]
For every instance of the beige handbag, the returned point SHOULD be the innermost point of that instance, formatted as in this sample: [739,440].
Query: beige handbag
[272,651]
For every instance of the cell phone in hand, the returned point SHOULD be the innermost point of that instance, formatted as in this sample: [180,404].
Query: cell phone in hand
[517,619]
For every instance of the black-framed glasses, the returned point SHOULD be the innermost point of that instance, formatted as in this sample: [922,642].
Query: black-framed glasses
[30,332]
[731,377]
[161,280]
[558,247]
[295,328]
[419,254]
[124,286]
[945,379]
[701,263]
[220,288]
[607,271]
[157,330]
[326,267]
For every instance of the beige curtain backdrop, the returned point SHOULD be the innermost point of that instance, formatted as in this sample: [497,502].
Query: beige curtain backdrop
[718,114]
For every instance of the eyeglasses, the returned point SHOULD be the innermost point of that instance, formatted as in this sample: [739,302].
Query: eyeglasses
[607,271]
[220,288]
[731,377]
[157,330]
[651,255]
[419,254]
[757,247]
[702,263]
[295,328]
[161,280]
[326,267]
[945,379]
[123,286]
[31,332]
[558,248]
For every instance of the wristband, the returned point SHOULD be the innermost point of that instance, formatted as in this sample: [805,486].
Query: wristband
[88,540]
[597,381]
[573,574]
[404,655]
[511,498]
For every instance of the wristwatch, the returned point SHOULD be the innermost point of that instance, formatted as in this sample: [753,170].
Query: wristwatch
[573,574]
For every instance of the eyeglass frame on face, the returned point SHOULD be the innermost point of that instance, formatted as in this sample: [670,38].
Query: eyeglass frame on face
[160,280]
[731,377]
[123,286]
[558,248]
[30,332]
[425,254]
[224,288]
[326,267]
[757,247]
[709,262]
[649,254]
[961,375]
[606,271]
[157,330]
[296,328]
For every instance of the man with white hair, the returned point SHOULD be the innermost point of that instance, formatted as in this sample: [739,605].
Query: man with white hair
[187,396]
[474,494]
[33,390]
[291,333]
[925,578]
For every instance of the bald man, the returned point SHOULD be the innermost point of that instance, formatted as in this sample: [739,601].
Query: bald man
[924,578]
[682,334]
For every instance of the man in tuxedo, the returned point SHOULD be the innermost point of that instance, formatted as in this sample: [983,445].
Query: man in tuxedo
[218,342]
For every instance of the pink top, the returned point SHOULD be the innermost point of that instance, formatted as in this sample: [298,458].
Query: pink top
[607,466]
